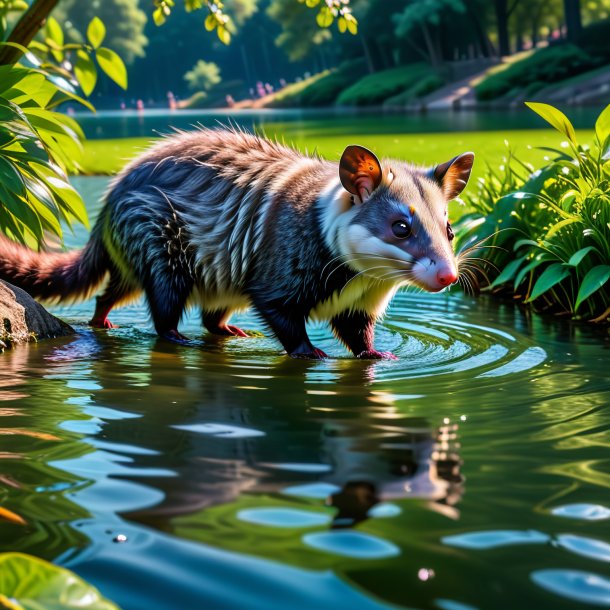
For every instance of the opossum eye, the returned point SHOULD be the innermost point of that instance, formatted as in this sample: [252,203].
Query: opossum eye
[401,228]
[450,234]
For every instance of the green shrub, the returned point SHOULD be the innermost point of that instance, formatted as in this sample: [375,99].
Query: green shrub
[546,233]
[420,89]
[542,67]
[376,88]
[321,89]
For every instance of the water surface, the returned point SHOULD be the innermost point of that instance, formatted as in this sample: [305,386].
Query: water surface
[313,122]
[470,473]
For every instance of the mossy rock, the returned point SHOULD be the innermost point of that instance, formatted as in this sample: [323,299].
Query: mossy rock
[22,319]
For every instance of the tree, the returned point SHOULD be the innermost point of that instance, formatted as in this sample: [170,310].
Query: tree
[427,17]
[571,9]
[203,76]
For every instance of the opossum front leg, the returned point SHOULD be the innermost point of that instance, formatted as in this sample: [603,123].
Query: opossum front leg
[289,328]
[167,296]
[356,329]
[216,323]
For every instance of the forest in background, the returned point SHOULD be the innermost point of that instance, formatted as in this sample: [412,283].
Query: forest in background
[279,41]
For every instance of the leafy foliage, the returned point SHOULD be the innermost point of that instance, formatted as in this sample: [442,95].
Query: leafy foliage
[124,23]
[203,76]
[29,583]
[39,146]
[546,233]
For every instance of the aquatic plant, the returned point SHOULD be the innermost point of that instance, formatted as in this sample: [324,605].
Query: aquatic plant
[545,234]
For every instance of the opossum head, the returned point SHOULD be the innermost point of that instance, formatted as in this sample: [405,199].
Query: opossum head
[396,227]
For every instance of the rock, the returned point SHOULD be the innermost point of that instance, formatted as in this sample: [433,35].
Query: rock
[22,319]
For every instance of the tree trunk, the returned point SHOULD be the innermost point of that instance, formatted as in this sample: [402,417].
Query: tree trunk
[367,55]
[25,29]
[430,45]
[571,9]
[502,25]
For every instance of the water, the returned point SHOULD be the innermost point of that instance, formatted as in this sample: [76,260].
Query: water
[472,473]
[131,123]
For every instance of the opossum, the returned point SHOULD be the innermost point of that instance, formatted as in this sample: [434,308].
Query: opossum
[225,220]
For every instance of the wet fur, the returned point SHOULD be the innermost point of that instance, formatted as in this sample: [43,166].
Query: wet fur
[224,220]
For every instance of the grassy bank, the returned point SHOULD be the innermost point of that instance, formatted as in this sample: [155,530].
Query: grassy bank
[109,156]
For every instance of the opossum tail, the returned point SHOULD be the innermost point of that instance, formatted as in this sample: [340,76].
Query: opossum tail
[54,276]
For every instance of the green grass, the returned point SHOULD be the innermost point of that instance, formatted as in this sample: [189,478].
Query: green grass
[109,156]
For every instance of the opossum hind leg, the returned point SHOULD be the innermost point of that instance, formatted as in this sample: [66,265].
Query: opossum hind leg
[117,290]
[216,323]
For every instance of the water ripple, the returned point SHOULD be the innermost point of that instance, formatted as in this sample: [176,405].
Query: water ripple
[579,586]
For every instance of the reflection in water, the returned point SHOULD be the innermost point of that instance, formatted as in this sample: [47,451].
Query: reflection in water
[312,470]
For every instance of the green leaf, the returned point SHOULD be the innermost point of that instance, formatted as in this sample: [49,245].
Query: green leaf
[159,16]
[34,583]
[342,24]
[85,72]
[560,225]
[223,34]
[539,260]
[602,125]
[325,17]
[112,65]
[508,272]
[96,32]
[54,31]
[352,24]
[555,118]
[578,257]
[550,277]
[592,282]
[210,22]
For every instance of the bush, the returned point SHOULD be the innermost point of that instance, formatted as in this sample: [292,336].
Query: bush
[321,89]
[542,67]
[546,233]
[420,89]
[378,87]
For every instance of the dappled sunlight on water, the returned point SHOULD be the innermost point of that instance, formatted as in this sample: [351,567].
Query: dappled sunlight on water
[470,473]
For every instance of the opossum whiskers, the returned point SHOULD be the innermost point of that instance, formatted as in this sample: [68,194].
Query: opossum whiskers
[364,256]
[391,273]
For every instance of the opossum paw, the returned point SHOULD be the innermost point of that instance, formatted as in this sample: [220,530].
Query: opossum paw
[175,336]
[315,354]
[373,354]
[104,323]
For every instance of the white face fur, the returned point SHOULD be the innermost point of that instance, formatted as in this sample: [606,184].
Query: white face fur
[394,227]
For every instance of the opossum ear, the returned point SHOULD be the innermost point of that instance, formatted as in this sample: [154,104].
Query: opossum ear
[360,171]
[453,175]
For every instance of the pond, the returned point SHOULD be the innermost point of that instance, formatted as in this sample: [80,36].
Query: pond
[472,473]
[153,122]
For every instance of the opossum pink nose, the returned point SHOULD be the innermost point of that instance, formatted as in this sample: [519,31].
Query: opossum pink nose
[446,277]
